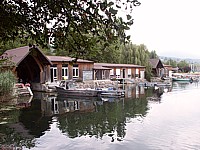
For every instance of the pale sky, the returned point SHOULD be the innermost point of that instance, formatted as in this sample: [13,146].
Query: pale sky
[170,27]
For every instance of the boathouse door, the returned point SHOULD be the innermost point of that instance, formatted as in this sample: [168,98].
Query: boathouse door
[123,73]
[141,74]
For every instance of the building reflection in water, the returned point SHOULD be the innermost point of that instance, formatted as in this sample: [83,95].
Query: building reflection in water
[133,91]
[53,105]
[110,117]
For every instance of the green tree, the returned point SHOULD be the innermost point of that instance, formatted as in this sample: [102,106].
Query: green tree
[100,52]
[136,54]
[144,60]
[10,44]
[148,72]
[61,21]
[171,62]
[183,66]
[153,54]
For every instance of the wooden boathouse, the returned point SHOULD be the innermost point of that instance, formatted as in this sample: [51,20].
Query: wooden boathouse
[109,71]
[167,70]
[157,67]
[67,68]
[30,64]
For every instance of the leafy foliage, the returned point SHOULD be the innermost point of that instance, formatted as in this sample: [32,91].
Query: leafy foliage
[184,66]
[11,44]
[136,54]
[153,55]
[110,118]
[7,80]
[65,24]
[171,62]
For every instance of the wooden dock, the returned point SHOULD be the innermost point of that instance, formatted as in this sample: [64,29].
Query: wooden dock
[22,90]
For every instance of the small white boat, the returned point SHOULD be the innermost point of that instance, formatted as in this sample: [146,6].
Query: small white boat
[165,90]
[111,92]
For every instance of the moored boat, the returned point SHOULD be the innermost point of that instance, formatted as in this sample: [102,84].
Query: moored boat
[77,92]
[66,88]
[111,92]
[69,89]
[182,79]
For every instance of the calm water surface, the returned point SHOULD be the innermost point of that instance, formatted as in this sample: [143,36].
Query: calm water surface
[146,119]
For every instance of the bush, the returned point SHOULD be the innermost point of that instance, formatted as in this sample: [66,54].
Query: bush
[7,80]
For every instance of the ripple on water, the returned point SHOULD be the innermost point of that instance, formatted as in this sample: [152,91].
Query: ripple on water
[172,124]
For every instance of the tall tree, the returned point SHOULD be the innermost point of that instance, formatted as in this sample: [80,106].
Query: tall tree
[153,54]
[136,54]
[171,62]
[18,42]
[61,21]
[183,66]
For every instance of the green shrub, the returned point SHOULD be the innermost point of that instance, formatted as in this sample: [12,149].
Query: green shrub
[7,80]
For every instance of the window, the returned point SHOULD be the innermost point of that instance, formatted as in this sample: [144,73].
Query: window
[75,71]
[103,74]
[65,71]
[111,72]
[53,73]
[76,105]
[129,73]
[142,74]
[117,73]
[137,73]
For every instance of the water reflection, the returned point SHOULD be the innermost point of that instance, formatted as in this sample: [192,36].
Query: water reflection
[77,117]
[108,119]
[57,105]
[184,86]
[180,85]
[29,123]
[133,91]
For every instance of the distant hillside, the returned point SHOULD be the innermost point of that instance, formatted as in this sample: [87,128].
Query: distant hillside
[189,60]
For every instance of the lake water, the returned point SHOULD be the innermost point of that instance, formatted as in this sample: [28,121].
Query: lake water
[147,119]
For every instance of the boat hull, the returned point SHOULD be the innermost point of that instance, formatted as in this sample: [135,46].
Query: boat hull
[182,79]
[77,92]
[110,93]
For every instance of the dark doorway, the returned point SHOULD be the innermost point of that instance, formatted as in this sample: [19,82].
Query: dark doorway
[28,71]
[123,73]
